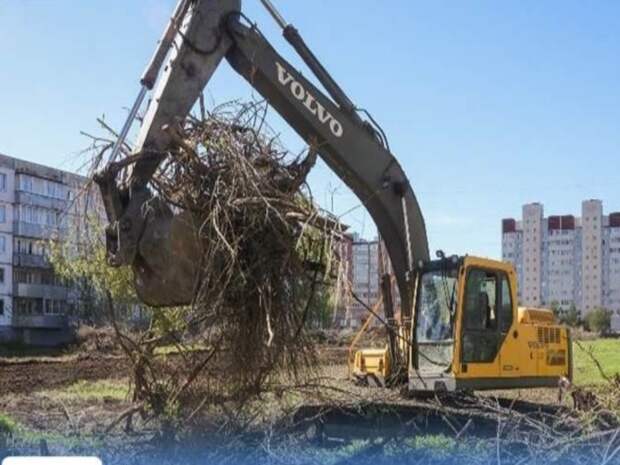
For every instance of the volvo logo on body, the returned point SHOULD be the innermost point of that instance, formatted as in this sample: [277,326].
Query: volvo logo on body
[309,101]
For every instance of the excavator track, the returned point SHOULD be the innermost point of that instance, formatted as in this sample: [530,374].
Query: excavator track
[452,415]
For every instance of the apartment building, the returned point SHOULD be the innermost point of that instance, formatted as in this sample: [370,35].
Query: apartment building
[343,248]
[368,263]
[365,280]
[566,259]
[385,268]
[36,204]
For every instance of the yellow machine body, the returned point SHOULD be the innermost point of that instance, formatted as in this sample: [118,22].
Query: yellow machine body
[372,364]
[471,334]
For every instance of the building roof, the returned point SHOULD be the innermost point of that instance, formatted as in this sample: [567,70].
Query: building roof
[41,171]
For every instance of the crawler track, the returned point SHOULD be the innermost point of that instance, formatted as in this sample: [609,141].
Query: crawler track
[454,416]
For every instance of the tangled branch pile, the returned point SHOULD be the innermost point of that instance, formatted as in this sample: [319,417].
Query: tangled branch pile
[265,258]
[264,248]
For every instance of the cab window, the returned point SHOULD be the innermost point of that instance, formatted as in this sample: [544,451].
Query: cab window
[506,315]
[480,342]
[480,311]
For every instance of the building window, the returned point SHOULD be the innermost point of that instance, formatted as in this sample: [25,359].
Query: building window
[1,275]
[2,182]
[1,307]
[2,213]
[25,183]
[2,244]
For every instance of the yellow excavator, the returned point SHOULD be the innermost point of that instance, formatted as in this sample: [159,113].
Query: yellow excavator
[468,333]
[460,327]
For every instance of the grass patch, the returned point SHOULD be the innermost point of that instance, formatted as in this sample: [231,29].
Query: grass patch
[434,445]
[92,390]
[173,349]
[54,440]
[606,351]
[8,426]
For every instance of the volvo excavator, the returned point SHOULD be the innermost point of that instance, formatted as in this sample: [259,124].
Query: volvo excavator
[459,326]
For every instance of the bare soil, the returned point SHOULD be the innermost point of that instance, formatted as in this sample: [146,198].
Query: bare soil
[35,375]
[38,374]
[35,393]
[43,373]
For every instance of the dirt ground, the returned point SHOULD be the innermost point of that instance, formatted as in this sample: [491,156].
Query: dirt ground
[35,375]
[43,373]
[69,401]
[26,386]
[65,406]
[38,374]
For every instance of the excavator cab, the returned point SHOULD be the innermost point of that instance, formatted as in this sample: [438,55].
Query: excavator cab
[468,333]
[435,316]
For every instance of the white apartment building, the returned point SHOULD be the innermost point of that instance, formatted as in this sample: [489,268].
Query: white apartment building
[36,204]
[566,259]
[365,280]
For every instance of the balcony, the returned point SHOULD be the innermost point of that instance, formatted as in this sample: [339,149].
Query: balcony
[36,231]
[40,321]
[30,230]
[28,198]
[41,291]
[31,261]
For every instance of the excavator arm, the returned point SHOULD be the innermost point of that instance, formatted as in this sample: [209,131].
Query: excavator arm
[160,244]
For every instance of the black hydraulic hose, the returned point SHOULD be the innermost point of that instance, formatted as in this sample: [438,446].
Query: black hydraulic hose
[292,36]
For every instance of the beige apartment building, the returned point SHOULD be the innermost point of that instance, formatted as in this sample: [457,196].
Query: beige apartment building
[565,258]
[36,203]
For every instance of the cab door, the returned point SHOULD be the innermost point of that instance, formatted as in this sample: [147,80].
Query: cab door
[480,330]
[511,356]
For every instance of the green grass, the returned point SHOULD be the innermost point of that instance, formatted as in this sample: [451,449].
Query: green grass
[173,349]
[92,390]
[32,437]
[8,426]
[606,351]
[437,445]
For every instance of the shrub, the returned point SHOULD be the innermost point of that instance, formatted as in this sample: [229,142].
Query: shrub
[599,321]
[7,429]
[571,317]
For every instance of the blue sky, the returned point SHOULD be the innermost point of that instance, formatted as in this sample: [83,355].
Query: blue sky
[487,105]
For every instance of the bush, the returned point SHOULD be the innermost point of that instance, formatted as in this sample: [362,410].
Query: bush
[599,321]
[571,317]
[568,317]
[7,429]
[7,425]
[92,339]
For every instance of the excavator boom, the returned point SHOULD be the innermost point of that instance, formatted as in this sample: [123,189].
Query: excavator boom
[159,244]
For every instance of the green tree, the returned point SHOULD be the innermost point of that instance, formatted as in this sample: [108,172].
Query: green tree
[556,309]
[571,316]
[81,260]
[88,267]
[599,321]
[321,307]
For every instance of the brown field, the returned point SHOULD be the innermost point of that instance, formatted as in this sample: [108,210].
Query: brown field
[69,400]
[81,395]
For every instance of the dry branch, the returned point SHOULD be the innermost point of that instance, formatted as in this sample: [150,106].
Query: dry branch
[265,253]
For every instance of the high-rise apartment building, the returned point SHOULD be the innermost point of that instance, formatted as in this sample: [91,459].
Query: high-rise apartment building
[36,204]
[566,259]
[592,238]
[365,280]
[532,227]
